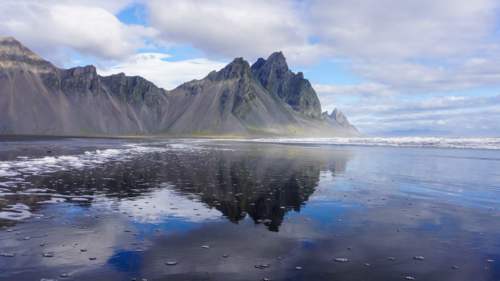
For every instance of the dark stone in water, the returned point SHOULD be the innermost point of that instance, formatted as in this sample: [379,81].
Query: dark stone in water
[171,263]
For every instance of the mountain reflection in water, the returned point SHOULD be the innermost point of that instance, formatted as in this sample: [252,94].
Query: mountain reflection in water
[211,210]
[261,182]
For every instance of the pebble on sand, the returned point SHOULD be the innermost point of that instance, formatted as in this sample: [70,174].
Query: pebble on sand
[341,259]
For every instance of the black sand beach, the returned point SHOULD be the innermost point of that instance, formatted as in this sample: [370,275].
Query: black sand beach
[112,209]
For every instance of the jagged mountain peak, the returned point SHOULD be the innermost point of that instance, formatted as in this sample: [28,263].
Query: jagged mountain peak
[83,70]
[14,46]
[10,47]
[259,63]
[280,81]
[236,69]
[9,40]
[338,117]
[278,55]
[274,64]
[337,113]
[278,61]
[14,55]
[265,98]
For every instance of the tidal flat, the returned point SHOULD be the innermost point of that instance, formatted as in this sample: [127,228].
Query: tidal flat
[194,209]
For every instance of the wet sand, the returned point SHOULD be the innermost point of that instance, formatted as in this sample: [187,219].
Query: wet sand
[100,209]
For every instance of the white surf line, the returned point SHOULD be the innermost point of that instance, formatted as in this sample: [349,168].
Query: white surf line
[14,172]
[432,142]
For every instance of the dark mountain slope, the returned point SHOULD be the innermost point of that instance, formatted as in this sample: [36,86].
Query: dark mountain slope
[227,101]
[292,88]
[38,98]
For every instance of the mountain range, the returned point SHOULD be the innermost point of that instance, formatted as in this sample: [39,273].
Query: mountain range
[265,99]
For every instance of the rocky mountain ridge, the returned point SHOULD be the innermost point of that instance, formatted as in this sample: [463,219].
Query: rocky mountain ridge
[266,98]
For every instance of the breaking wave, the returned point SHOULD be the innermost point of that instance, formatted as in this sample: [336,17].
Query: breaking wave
[433,142]
[13,172]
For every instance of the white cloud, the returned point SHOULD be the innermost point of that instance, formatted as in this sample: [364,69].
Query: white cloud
[407,45]
[167,74]
[421,45]
[52,27]
[365,89]
[113,6]
[404,51]
[403,29]
[234,28]
[448,115]
[413,46]
[413,57]
[411,78]
[164,203]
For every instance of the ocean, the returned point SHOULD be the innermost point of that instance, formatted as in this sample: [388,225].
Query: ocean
[253,209]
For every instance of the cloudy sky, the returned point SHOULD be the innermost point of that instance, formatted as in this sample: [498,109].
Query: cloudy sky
[417,67]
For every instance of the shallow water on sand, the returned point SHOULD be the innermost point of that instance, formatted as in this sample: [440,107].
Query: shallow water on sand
[100,209]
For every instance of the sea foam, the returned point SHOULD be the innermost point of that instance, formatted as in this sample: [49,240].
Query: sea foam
[432,142]
[13,172]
